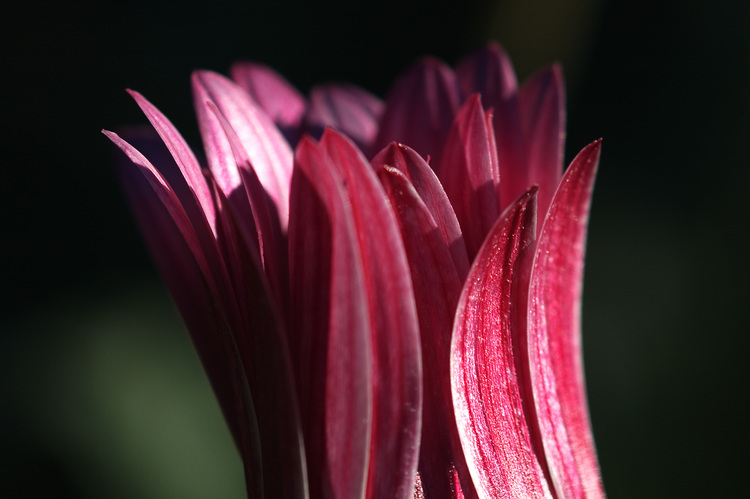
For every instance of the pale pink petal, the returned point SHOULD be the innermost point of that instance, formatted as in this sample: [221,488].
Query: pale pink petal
[437,287]
[420,108]
[347,108]
[488,71]
[469,171]
[270,154]
[330,335]
[555,334]
[487,370]
[279,99]
[396,366]
[431,192]
[542,104]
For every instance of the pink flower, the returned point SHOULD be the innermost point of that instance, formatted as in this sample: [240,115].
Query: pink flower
[394,327]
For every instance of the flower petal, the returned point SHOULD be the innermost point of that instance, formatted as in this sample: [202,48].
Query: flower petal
[420,108]
[555,334]
[431,192]
[469,172]
[347,108]
[487,367]
[397,369]
[277,97]
[269,153]
[542,103]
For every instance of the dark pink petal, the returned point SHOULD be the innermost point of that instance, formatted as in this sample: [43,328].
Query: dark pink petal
[555,334]
[330,337]
[431,192]
[280,100]
[488,71]
[269,153]
[468,170]
[487,368]
[181,261]
[347,108]
[396,365]
[437,287]
[542,103]
[420,108]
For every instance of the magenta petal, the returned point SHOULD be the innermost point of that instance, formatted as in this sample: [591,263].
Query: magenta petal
[269,153]
[431,192]
[542,103]
[555,334]
[347,108]
[488,71]
[397,370]
[279,99]
[330,337]
[420,108]
[437,287]
[469,172]
[487,369]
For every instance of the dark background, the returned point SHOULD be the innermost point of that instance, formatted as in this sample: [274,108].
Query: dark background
[102,396]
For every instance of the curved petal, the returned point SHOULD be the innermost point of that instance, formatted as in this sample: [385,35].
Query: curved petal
[555,334]
[487,368]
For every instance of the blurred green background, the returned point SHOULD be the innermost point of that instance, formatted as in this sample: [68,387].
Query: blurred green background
[102,393]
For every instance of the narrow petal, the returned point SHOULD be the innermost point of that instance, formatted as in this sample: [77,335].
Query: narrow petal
[469,172]
[488,71]
[437,287]
[277,97]
[270,154]
[555,334]
[396,366]
[431,192]
[420,108]
[486,367]
[542,104]
[331,331]
[347,108]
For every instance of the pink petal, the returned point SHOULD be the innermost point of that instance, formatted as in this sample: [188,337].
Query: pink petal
[542,104]
[397,370]
[347,108]
[431,192]
[331,331]
[555,334]
[269,153]
[488,71]
[279,99]
[469,172]
[437,287]
[420,108]
[487,367]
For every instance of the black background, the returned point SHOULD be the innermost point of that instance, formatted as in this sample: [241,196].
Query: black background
[665,325]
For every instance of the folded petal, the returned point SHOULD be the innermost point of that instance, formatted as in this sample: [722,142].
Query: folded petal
[487,368]
[431,192]
[468,170]
[277,97]
[542,103]
[420,108]
[555,334]
[347,108]
[269,153]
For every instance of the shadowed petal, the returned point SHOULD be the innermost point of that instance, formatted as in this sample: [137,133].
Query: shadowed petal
[420,108]
[555,334]
[279,99]
[486,366]
[542,103]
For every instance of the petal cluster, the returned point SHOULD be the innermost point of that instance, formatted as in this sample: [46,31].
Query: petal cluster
[385,295]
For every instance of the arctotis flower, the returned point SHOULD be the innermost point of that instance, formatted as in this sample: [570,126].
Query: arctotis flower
[384,295]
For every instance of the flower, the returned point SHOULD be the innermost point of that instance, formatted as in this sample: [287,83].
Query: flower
[393,327]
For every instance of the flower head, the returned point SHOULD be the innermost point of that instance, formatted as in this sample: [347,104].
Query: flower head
[384,295]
